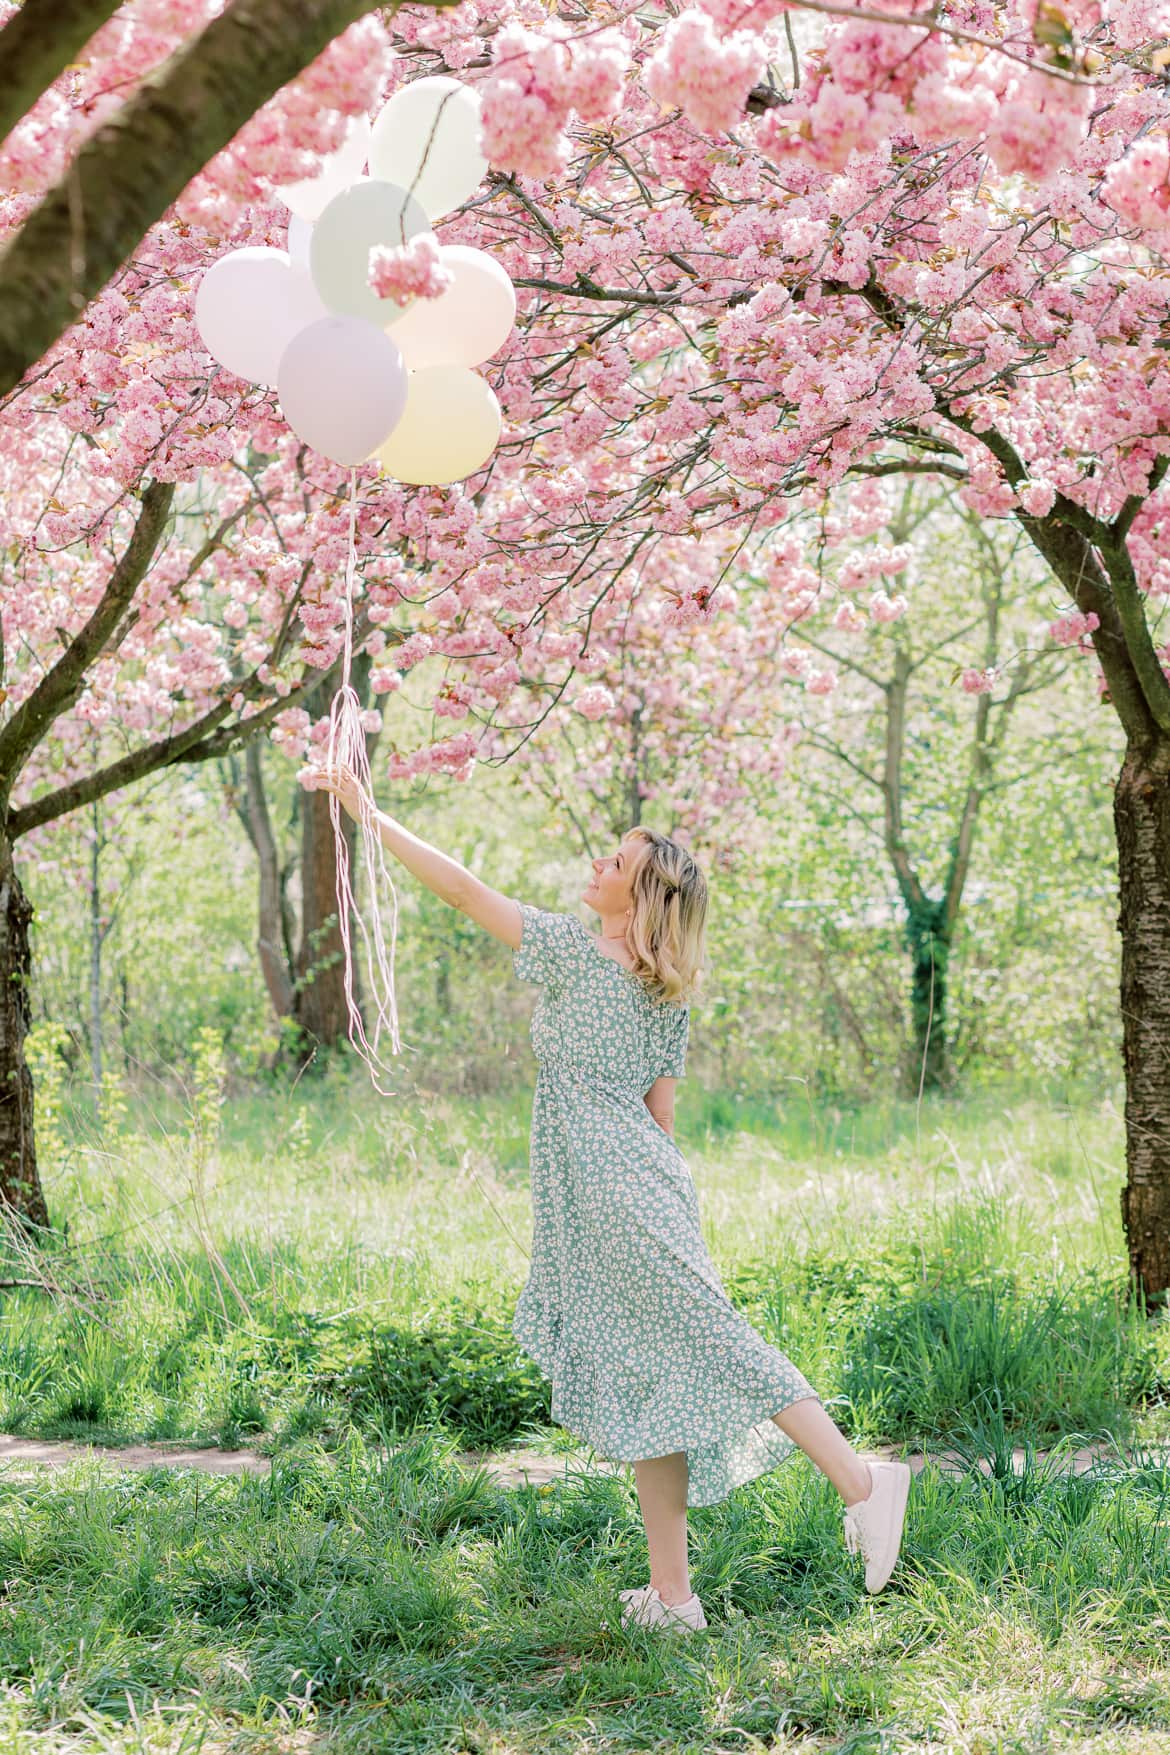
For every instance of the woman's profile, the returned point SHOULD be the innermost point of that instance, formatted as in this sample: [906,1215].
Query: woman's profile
[623,1309]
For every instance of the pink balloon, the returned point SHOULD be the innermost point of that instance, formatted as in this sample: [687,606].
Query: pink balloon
[342,387]
[249,306]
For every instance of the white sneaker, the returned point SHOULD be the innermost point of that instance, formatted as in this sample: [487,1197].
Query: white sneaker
[873,1527]
[645,1608]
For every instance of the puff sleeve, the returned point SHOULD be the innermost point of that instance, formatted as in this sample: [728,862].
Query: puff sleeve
[549,943]
[675,1035]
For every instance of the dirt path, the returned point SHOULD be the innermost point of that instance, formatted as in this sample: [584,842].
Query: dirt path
[25,1458]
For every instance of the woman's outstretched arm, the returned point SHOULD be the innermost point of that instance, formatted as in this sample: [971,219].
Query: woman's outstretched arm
[444,876]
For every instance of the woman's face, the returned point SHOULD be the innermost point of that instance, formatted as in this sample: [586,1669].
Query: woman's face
[611,886]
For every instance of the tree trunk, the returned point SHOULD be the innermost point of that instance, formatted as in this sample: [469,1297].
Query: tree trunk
[270,939]
[929,1066]
[95,950]
[20,1185]
[1141,813]
[319,1005]
[37,44]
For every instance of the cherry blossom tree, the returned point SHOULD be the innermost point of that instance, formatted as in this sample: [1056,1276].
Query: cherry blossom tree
[755,269]
[164,86]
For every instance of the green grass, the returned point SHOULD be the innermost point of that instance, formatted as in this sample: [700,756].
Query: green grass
[362,1603]
[331,1277]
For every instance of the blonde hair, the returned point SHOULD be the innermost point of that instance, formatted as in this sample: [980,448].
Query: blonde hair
[668,918]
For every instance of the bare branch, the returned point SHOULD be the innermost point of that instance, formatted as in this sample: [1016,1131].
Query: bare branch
[60,687]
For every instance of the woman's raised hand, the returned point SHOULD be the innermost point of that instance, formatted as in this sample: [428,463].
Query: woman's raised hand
[341,781]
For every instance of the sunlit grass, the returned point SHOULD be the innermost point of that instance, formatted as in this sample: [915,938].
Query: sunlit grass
[303,1272]
[364,1603]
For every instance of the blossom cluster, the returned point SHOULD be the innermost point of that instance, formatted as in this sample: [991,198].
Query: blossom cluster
[538,81]
[413,270]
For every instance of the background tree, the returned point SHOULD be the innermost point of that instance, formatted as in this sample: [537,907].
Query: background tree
[916,754]
[298,939]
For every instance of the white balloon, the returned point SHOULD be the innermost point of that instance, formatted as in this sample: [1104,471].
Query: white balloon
[465,325]
[449,428]
[297,241]
[342,387]
[308,198]
[249,306]
[367,213]
[427,141]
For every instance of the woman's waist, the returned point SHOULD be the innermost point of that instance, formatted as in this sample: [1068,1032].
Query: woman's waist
[565,1069]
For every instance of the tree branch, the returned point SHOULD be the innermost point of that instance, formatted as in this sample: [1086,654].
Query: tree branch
[1134,503]
[913,894]
[201,741]
[979,757]
[819,741]
[1131,612]
[36,46]
[60,687]
[1076,563]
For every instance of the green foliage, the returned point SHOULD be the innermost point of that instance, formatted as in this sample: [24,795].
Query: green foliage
[808,972]
[462,1371]
[45,1047]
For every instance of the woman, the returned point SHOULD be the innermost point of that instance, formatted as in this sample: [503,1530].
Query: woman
[623,1308]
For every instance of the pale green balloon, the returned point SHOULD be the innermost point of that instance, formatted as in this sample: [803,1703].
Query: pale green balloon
[366,214]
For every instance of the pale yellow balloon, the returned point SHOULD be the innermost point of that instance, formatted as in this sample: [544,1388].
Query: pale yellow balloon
[449,428]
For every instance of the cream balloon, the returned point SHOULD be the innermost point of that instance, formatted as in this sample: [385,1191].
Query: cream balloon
[427,141]
[249,306]
[342,387]
[465,325]
[366,214]
[309,198]
[449,428]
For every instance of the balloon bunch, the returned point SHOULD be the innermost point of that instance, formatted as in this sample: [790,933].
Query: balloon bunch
[360,376]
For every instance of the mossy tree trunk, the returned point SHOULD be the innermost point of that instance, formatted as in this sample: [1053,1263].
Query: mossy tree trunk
[1141,809]
[20,1184]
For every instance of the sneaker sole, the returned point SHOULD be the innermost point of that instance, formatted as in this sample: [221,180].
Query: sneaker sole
[893,1548]
[672,1624]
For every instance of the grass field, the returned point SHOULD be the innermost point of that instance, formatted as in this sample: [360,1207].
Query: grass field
[330,1277]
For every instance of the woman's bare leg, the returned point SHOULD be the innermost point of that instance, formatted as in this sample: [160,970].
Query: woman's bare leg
[662,1495]
[827,1446]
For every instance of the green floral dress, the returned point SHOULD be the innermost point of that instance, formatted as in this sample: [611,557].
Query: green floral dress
[623,1309]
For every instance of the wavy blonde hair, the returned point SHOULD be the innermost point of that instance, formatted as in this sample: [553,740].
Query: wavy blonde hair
[668,919]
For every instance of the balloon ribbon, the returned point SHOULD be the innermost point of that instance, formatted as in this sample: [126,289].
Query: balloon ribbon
[347,748]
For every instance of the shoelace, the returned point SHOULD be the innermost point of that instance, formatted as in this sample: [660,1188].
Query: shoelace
[857,1536]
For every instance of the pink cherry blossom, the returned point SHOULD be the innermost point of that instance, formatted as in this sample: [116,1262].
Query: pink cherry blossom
[1073,628]
[705,73]
[414,270]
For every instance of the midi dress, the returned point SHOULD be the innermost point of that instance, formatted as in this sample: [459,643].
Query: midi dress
[623,1309]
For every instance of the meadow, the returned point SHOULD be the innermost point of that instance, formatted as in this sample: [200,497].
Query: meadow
[328,1277]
